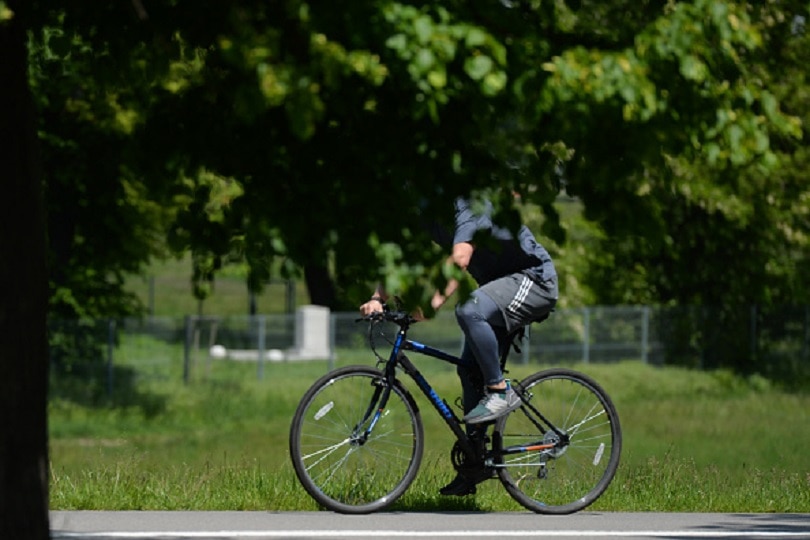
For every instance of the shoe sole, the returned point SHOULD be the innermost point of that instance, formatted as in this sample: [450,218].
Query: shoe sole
[459,493]
[470,488]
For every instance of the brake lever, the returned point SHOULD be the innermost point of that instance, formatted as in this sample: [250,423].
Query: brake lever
[373,316]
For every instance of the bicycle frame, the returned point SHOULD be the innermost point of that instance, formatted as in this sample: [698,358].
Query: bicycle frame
[547,468]
[398,358]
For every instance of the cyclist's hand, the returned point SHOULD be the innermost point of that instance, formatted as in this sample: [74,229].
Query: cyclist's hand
[372,306]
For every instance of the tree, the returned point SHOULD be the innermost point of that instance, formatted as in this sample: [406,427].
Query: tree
[653,121]
[676,149]
[103,221]
[300,109]
[326,136]
[322,137]
[23,290]
[698,189]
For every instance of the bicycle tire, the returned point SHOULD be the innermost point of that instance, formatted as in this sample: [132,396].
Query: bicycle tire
[341,471]
[568,478]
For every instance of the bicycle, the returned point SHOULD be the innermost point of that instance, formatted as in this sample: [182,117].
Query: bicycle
[356,438]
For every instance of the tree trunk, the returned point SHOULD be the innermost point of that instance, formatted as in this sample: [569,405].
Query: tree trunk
[23,300]
[320,286]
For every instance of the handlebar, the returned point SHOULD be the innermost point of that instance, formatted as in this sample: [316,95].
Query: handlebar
[398,317]
[401,318]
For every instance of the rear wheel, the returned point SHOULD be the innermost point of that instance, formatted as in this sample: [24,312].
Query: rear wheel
[565,471]
[343,461]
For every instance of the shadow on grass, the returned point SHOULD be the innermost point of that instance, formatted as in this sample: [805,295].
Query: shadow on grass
[117,388]
[82,372]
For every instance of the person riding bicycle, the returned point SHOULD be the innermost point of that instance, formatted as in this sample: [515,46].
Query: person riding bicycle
[517,284]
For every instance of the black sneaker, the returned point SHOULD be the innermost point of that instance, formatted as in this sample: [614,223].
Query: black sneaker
[465,484]
[459,487]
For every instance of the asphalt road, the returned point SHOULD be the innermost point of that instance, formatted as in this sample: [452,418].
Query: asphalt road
[415,525]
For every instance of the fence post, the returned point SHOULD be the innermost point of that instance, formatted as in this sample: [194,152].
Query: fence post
[703,315]
[525,344]
[754,330]
[110,349]
[332,341]
[645,332]
[151,296]
[187,349]
[586,338]
[260,320]
[806,343]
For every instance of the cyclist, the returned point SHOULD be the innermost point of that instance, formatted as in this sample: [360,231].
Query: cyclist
[517,284]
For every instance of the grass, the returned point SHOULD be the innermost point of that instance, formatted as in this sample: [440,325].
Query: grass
[165,290]
[693,441]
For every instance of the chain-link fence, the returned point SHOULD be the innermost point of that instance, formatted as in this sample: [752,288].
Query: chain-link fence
[102,355]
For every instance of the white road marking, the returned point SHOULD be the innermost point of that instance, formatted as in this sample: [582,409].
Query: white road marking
[56,535]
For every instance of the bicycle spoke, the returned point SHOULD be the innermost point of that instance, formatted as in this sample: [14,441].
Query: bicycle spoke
[581,462]
[337,466]
[328,450]
[573,429]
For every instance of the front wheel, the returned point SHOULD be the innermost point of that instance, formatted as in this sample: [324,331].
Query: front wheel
[351,455]
[558,453]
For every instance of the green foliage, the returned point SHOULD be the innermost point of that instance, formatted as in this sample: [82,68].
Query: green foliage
[429,45]
[698,127]
[6,13]
[319,140]
[104,221]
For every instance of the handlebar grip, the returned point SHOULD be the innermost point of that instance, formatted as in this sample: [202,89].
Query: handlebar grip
[397,317]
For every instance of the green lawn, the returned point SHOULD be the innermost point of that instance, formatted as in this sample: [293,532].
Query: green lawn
[165,289]
[694,441]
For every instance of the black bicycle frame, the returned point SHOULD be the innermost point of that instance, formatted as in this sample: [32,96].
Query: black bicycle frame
[397,358]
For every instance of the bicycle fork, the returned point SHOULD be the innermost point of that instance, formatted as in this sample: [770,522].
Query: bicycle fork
[376,406]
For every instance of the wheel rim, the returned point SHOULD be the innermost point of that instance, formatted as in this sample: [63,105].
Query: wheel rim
[337,464]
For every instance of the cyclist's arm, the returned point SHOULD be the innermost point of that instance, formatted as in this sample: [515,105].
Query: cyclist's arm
[440,297]
[375,303]
[462,252]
